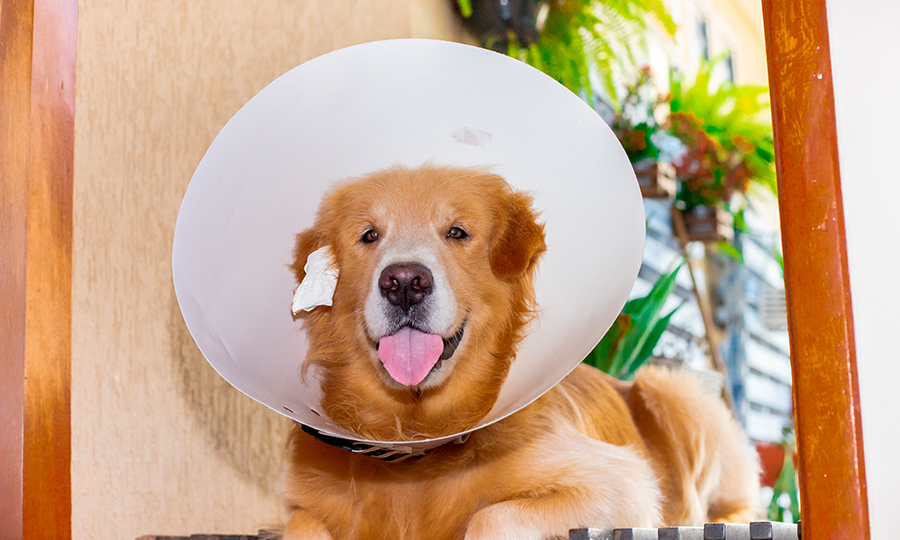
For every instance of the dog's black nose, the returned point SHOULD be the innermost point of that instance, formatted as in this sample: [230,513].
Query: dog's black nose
[405,284]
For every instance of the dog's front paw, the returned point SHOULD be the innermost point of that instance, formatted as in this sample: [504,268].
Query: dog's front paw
[511,520]
[304,526]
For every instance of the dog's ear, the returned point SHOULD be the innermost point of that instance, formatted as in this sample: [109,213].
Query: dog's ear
[308,241]
[518,239]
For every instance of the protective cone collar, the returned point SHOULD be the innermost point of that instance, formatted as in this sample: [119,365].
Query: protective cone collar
[367,107]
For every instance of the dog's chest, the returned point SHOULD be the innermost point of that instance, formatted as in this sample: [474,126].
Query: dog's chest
[387,506]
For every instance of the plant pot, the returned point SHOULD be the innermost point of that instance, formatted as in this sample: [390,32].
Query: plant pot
[771,460]
[657,179]
[491,20]
[706,224]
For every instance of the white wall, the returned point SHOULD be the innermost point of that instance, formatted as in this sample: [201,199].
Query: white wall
[865,53]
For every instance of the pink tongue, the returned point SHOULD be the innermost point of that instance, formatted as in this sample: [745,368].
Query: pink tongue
[409,355]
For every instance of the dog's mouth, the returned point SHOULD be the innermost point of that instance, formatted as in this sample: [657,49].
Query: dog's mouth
[411,355]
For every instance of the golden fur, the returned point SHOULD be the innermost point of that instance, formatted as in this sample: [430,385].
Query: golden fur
[593,451]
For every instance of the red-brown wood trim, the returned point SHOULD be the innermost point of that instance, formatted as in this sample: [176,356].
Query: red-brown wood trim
[823,353]
[37,104]
[15,112]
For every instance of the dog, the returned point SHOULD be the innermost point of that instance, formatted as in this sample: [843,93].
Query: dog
[434,294]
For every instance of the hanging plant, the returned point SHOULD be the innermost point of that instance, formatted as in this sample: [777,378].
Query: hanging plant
[708,172]
[497,22]
[568,39]
[641,136]
[728,149]
[727,132]
[635,123]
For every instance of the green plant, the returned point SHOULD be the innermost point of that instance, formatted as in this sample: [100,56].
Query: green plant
[630,341]
[707,174]
[730,251]
[728,135]
[786,492]
[579,36]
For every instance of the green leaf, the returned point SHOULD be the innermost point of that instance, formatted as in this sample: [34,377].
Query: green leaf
[779,258]
[629,371]
[634,306]
[740,222]
[731,251]
[786,483]
[645,318]
[513,49]
[602,355]
[465,7]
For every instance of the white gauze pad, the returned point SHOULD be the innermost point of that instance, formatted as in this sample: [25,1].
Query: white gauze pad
[317,287]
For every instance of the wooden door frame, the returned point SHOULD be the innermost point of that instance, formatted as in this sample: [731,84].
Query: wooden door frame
[833,497]
[37,106]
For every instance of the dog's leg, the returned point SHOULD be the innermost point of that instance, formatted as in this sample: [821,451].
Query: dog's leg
[548,517]
[571,481]
[305,526]
[516,520]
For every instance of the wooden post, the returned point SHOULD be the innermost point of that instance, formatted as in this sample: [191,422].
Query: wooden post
[37,105]
[823,354]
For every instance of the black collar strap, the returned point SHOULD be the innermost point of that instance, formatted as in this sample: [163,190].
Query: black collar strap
[393,454]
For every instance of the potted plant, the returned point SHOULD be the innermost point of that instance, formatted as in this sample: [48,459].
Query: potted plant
[636,127]
[779,472]
[495,22]
[706,182]
[729,148]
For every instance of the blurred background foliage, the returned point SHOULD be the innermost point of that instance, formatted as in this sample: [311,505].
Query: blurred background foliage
[573,41]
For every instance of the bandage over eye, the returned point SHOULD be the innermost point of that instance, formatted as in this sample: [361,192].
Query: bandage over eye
[317,287]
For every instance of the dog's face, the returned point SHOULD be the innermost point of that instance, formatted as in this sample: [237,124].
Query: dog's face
[433,294]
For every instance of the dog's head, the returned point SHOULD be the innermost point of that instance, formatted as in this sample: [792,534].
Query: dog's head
[434,292]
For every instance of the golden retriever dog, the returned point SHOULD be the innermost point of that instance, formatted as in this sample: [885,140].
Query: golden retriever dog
[434,293]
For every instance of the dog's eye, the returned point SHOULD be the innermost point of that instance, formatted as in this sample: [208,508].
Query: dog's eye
[456,233]
[369,236]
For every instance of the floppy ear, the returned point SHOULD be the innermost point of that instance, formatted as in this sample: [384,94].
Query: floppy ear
[308,241]
[518,240]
